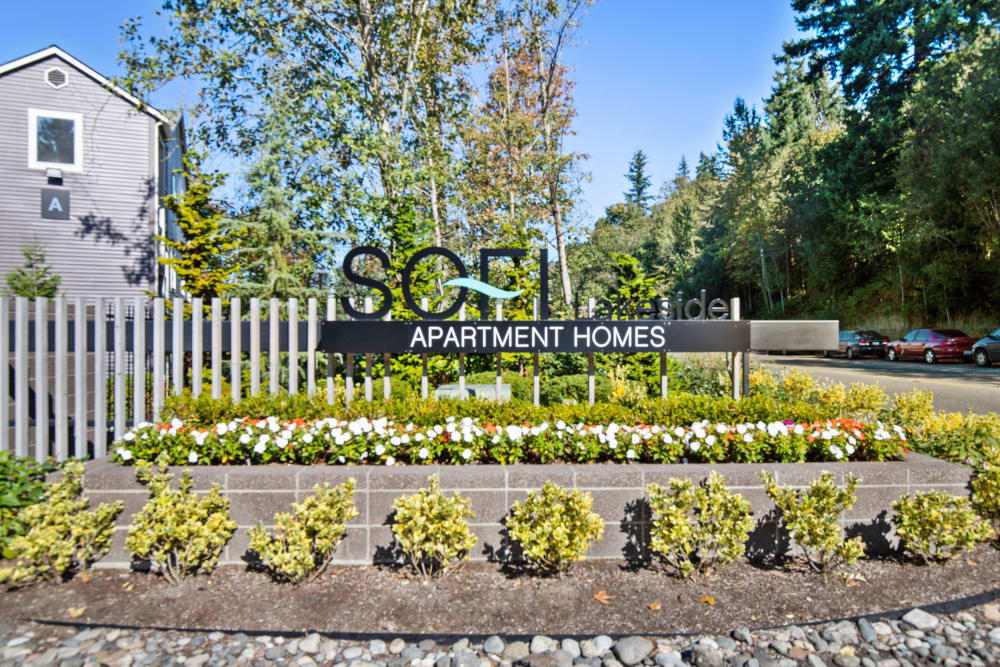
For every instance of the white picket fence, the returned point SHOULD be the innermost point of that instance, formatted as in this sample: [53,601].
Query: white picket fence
[75,398]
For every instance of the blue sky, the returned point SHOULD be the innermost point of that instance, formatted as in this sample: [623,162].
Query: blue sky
[656,75]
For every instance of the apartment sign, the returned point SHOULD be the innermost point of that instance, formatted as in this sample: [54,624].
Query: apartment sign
[664,324]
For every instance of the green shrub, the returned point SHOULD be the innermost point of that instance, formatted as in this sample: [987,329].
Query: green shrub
[555,527]
[913,408]
[962,438]
[937,525]
[986,487]
[520,387]
[573,389]
[22,483]
[866,401]
[697,528]
[62,534]
[304,541]
[433,529]
[624,390]
[179,533]
[813,518]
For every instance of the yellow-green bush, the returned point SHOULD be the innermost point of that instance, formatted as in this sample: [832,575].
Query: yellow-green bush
[812,517]
[433,529]
[937,525]
[304,541]
[623,390]
[555,527]
[62,534]
[865,401]
[762,381]
[696,528]
[797,385]
[834,398]
[986,487]
[914,408]
[962,438]
[179,533]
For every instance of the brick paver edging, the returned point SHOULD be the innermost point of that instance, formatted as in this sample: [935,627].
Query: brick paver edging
[256,493]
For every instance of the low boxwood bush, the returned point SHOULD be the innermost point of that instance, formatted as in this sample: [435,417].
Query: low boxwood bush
[935,526]
[697,528]
[678,408]
[432,529]
[178,532]
[62,535]
[555,527]
[813,519]
[22,483]
[303,542]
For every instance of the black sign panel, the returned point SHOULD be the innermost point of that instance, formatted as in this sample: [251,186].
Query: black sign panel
[55,204]
[478,336]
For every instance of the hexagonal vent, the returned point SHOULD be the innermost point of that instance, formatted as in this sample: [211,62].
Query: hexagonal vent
[55,77]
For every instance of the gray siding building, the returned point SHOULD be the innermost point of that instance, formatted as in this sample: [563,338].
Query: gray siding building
[83,170]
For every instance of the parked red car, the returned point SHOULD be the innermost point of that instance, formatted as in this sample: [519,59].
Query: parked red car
[931,345]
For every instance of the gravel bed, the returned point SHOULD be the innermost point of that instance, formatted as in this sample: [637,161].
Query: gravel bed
[968,637]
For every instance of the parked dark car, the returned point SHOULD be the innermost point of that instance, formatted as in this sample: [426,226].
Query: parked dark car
[986,350]
[856,343]
[932,345]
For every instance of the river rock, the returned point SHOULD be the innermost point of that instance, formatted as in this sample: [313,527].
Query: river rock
[632,650]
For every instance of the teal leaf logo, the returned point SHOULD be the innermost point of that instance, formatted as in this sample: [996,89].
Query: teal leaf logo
[483,288]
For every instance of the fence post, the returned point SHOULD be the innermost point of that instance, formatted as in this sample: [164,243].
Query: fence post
[311,347]
[235,350]
[177,356]
[590,358]
[461,360]
[79,378]
[21,396]
[536,387]
[41,378]
[119,345]
[139,362]
[734,308]
[5,445]
[348,372]
[273,348]
[254,346]
[216,348]
[293,346]
[424,381]
[499,317]
[100,378]
[197,346]
[664,380]
[387,369]
[331,315]
[368,359]
[159,358]
[59,396]
[746,372]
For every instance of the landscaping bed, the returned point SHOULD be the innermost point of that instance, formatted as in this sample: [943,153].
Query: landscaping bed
[483,599]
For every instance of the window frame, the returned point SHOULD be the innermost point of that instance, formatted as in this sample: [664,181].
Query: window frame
[33,161]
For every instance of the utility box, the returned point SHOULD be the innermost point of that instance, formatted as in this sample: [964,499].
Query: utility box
[484,391]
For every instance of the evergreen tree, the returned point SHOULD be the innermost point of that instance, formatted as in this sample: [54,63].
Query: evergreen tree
[203,259]
[638,195]
[33,278]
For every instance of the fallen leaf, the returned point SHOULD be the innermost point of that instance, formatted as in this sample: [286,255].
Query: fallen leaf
[680,599]
[85,576]
[970,563]
[75,612]
[603,597]
[707,599]
[128,585]
[517,582]
[654,606]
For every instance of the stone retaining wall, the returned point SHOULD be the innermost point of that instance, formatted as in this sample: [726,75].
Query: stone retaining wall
[256,493]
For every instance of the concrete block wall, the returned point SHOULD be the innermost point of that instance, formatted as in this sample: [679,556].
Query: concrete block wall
[256,493]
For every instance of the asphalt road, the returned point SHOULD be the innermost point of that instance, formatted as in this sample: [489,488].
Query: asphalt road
[957,387]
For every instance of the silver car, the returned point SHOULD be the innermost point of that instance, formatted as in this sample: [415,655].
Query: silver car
[987,350]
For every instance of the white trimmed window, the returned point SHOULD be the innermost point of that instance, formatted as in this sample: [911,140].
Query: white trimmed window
[55,139]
